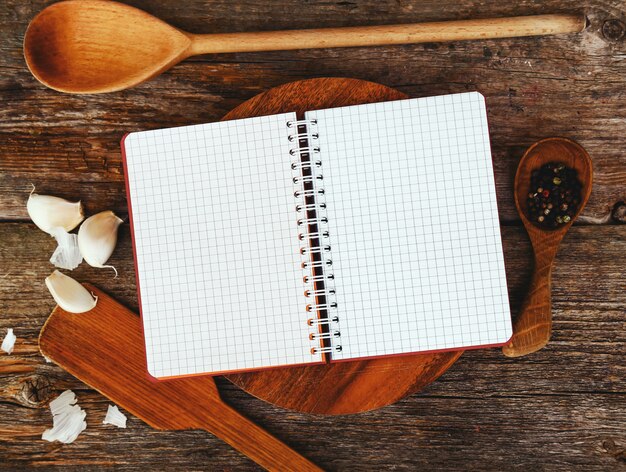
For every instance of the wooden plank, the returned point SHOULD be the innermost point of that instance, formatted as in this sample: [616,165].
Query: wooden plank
[439,430]
[561,408]
[535,87]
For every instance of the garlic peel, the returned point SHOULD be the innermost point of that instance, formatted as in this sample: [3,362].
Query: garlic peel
[66,255]
[48,212]
[9,341]
[70,295]
[115,417]
[68,419]
[97,238]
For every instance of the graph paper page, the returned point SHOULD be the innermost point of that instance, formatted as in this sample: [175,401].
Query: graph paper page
[217,249]
[413,223]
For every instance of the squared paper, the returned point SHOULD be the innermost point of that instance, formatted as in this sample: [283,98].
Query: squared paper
[217,249]
[413,222]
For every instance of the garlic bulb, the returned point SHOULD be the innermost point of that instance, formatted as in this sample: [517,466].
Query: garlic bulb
[69,294]
[49,212]
[97,238]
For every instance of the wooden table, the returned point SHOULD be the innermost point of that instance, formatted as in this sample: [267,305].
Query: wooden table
[563,408]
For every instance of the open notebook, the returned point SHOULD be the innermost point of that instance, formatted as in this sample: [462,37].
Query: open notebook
[361,231]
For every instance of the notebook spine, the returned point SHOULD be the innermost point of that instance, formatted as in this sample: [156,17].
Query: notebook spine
[315,252]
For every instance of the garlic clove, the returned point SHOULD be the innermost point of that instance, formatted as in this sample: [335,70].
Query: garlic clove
[49,212]
[69,294]
[97,238]
[66,255]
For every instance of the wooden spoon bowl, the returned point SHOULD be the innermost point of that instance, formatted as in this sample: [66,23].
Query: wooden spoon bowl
[99,46]
[534,324]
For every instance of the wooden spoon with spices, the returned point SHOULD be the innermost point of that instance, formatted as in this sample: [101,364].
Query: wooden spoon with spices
[96,46]
[533,325]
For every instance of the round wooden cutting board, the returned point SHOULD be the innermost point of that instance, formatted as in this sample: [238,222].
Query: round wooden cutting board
[343,387]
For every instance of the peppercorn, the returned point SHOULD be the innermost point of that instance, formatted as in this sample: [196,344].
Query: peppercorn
[553,195]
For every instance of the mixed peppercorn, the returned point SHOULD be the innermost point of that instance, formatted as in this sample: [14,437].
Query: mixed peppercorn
[553,195]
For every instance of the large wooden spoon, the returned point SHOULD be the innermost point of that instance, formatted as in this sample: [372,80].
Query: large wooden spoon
[94,46]
[533,325]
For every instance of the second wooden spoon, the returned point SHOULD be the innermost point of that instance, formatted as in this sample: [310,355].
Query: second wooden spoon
[533,325]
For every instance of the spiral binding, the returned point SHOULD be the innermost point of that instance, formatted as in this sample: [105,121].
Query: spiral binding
[312,224]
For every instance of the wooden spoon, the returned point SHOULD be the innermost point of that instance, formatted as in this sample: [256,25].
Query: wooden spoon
[533,325]
[105,349]
[95,46]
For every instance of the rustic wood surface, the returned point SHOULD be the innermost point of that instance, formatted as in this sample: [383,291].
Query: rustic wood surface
[563,408]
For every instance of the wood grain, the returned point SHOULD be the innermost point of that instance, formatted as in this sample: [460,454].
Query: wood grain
[533,325]
[562,408]
[104,348]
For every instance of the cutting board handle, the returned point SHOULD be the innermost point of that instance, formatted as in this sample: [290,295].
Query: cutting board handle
[253,441]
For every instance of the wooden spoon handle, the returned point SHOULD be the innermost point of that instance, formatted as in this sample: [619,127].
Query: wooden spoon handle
[533,325]
[253,441]
[389,34]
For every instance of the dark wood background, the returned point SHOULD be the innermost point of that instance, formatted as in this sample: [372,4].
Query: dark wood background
[563,408]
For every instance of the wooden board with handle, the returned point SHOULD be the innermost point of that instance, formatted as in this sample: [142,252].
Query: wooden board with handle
[105,349]
[343,387]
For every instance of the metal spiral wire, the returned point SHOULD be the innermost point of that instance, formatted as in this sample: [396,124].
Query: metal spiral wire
[313,232]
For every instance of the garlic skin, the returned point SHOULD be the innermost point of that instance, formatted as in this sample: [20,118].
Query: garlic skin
[115,417]
[69,294]
[49,212]
[66,255]
[8,343]
[68,419]
[97,238]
